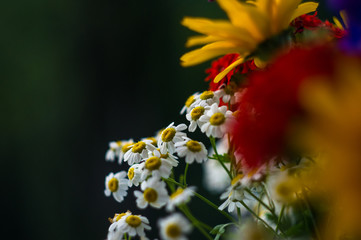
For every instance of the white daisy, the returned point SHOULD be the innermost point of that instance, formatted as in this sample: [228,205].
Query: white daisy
[170,135]
[133,224]
[228,92]
[191,99]
[114,231]
[216,121]
[208,98]
[194,115]
[160,164]
[113,151]
[154,193]
[135,174]
[174,227]
[138,151]
[233,194]
[191,150]
[180,196]
[116,184]
[126,145]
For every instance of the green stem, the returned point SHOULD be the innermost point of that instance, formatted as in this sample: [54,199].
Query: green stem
[239,215]
[260,201]
[125,236]
[213,143]
[214,206]
[199,221]
[318,236]
[260,219]
[280,217]
[185,175]
[195,222]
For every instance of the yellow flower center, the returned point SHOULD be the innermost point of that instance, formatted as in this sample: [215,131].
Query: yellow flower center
[189,101]
[206,95]
[131,173]
[164,155]
[168,134]
[153,163]
[119,143]
[194,146]
[217,119]
[133,221]
[150,195]
[231,88]
[126,147]
[197,112]
[138,147]
[119,216]
[236,178]
[173,230]
[177,193]
[113,184]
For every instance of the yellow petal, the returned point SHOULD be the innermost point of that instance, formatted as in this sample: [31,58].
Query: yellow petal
[218,28]
[208,52]
[246,16]
[283,11]
[259,63]
[303,8]
[200,40]
[222,74]
[344,17]
[337,22]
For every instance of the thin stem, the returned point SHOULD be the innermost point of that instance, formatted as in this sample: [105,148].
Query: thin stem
[202,198]
[214,206]
[199,221]
[260,219]
[260,201]
[213,143]
[280,217]
[239,214]
[318,236]
[185,175]
[195,222]
[125,236]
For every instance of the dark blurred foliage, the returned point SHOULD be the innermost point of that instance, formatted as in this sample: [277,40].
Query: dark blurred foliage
[74,76]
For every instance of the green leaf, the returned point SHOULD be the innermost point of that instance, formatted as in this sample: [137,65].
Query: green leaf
[220,230]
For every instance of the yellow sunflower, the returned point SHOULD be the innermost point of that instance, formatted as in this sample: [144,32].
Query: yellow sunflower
[250,23]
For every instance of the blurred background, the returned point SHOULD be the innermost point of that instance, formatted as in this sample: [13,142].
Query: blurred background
[74,76]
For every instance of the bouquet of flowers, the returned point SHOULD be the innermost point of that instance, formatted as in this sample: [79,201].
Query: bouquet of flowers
[283,123]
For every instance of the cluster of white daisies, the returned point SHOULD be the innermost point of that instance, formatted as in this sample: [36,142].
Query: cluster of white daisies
[151,161]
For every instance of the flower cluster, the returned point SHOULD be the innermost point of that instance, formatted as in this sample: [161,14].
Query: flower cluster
[283,121]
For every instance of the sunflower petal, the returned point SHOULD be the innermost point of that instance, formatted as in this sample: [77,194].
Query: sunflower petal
[222,74]
[303,8]
[200,40]
[208,52]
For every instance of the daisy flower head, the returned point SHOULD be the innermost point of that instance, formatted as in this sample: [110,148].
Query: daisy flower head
[207,98]
[135,173]
[126,145]
[179,197]
[190,100]
[114,231]
[116,185]
[217,121]
[159,164]
[192,150]
[234,194]
[170,135]
[194,115]
[113,151]
[154,193]
[228,92]
[138,151]
[133,224]
[174,227]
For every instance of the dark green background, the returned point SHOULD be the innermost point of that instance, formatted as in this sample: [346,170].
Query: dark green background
[74,76]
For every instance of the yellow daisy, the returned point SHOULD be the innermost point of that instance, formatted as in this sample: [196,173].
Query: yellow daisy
[250,23]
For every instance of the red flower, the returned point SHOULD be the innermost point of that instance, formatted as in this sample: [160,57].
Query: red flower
[270,102]
[306,21]
[222,63]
